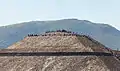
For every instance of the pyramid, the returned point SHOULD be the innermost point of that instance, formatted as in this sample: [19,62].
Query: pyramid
[59,41]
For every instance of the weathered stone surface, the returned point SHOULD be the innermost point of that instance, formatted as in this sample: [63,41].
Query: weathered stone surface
[33,63]
[59,63]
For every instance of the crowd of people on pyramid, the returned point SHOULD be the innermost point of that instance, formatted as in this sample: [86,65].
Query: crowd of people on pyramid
[59,31]
[48,33]
[33,35]
[66,33]
[54,34]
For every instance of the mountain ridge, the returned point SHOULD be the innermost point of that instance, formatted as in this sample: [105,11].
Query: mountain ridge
[104,33]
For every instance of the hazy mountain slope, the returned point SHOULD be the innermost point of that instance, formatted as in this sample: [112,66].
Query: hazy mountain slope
[106,34]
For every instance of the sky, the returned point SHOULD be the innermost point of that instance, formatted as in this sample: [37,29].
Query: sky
[99,11]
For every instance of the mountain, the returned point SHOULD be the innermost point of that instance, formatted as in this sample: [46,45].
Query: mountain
[57,42]
[104,33]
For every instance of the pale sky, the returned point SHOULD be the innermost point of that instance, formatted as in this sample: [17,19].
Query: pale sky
[99,11]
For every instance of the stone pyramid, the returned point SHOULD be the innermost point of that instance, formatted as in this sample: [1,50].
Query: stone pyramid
[58,41]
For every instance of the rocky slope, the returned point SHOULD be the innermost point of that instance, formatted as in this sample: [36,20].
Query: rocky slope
[42,63]
[59,41]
